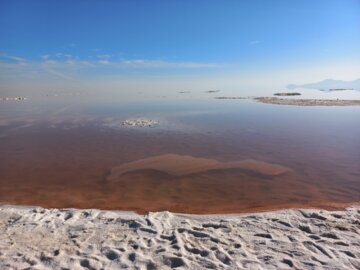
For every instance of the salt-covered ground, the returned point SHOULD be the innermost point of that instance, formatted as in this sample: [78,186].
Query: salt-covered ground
[38,238]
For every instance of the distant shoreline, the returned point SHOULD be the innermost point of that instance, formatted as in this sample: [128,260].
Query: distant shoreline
[299,102]
[308,102]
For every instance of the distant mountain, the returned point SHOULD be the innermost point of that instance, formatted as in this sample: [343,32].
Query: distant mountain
[329,85]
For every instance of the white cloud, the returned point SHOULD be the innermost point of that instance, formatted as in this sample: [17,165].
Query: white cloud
[154,64]
[144,63]
[67,66]
[254,42]
[59,74]
[63,55]
[87,64]
[102,56]
[70,62]
[19,59]
[104,62]
[12,58]
[49,62]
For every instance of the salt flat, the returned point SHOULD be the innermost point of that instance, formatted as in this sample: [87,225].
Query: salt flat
[38,238]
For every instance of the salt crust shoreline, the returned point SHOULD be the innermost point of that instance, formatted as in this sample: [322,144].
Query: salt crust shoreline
[299,102]
[38,238]
[308,102]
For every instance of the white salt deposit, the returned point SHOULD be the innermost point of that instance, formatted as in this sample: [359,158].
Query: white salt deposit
[37,238]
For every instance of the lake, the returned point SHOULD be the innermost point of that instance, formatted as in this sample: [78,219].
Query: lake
[57,149]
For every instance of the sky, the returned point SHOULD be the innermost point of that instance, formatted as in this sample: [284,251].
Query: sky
[222,43]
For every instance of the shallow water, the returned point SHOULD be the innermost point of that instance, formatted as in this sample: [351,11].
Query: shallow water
[58,149]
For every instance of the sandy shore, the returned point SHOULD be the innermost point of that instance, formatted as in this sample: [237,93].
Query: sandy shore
[38,238]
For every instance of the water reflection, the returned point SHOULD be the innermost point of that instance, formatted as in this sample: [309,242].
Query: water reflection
[58,151]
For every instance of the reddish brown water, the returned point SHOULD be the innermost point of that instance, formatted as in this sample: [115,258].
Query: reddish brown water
[55,167]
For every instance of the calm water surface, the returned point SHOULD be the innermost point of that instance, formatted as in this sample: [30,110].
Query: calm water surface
[57,150]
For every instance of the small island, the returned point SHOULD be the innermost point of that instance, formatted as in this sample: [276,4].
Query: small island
[287,94]
[340,89]
[212,91]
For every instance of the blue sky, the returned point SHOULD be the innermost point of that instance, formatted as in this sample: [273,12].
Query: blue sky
[65,39]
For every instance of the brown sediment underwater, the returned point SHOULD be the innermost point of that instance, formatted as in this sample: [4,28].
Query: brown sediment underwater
[179,165]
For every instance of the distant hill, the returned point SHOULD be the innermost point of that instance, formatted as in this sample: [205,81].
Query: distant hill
[329,85]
